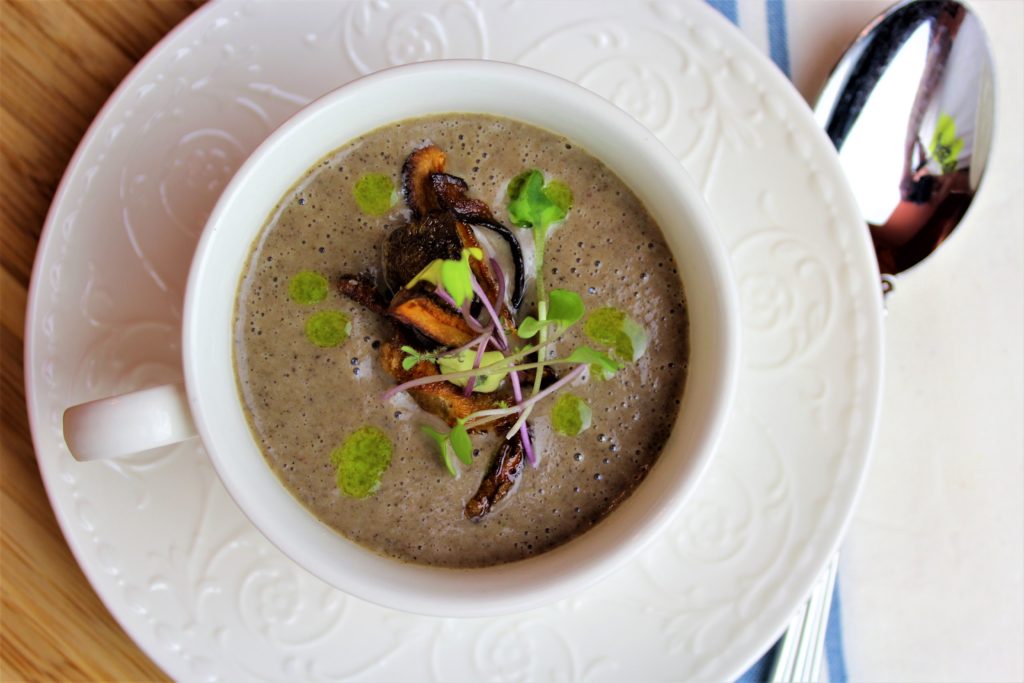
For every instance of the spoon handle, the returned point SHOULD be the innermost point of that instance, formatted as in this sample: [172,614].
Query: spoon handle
[800,652]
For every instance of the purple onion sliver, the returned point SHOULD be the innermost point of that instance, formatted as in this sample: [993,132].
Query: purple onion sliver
[471,382]
[485,336]
[572,375]
[491,312]
[516,390]
[411,384]
[473,323]
[443,294]
[524,434]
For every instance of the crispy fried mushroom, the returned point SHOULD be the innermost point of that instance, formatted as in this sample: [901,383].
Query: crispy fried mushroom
[500,479]
[416,171]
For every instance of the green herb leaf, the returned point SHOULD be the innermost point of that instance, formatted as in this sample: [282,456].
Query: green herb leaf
[565,307]
[454,276]
[485,382]
[524,192]
[530,327]
[570,415]
[946,147]
[599,363]
[613,329]
[412,357]
[463,447]
[307,288]
[534,205]
[442,441]
[361,461]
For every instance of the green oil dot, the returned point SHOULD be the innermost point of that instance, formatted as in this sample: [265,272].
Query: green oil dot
[570,415]
[560,194]
[328,328]
[308,288]
[375,193]
[361,461]
[613,329]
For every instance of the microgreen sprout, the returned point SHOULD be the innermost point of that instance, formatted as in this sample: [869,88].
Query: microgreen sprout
[456,441]
[454,276]
[566,308]
[412,357]
[537,206]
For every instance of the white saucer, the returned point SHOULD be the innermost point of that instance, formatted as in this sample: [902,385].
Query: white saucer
[208,598]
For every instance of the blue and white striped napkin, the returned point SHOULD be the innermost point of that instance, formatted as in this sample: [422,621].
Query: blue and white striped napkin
[764,23]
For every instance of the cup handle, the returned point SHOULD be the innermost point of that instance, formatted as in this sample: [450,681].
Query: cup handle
[130,423]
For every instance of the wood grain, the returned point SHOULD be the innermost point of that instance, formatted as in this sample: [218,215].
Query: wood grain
[59,62]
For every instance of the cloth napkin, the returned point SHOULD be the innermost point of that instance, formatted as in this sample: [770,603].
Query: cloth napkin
[764,23]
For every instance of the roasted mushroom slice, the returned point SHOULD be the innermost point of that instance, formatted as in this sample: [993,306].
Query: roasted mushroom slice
[423,311]
[410,248]
[500,479]
[416,171]
[362,290]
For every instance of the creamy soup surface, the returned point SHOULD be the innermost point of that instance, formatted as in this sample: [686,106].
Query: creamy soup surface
[303,401]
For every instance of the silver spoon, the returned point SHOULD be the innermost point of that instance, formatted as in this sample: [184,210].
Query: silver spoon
[909,107]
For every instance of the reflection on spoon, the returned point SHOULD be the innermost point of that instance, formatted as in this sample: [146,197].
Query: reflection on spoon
[909,107]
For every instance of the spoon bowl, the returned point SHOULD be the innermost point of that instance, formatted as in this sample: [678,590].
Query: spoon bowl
[909,108]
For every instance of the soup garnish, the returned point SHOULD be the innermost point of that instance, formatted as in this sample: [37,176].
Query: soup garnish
[449,303]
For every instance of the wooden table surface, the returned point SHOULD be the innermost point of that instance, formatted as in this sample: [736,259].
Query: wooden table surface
[61,60]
